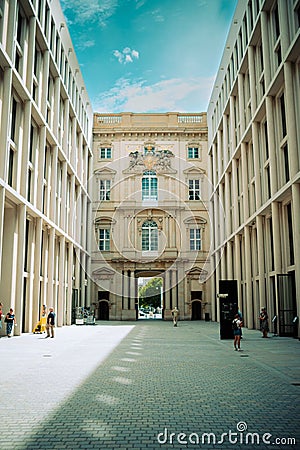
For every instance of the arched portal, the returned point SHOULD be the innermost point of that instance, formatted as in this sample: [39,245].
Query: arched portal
[150,299]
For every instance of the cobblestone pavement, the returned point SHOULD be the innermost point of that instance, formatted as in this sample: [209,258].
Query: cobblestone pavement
[141,385]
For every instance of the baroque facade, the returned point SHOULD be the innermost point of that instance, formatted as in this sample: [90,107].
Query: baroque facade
[45,162]
[254,163]
[150,213]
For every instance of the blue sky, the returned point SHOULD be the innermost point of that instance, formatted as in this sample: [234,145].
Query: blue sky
[149,55]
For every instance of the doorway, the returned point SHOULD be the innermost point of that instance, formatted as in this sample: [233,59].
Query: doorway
[103,305]
[150,298]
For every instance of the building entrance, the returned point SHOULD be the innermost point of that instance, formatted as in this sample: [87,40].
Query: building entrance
[150,298]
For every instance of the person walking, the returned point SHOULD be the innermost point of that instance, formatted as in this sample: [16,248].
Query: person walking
[264,322]
[50,323]
[175,314]
[237,331]
[10,322]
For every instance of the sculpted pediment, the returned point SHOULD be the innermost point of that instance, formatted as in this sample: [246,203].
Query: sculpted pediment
[194,171]
[103,273]
[105,171]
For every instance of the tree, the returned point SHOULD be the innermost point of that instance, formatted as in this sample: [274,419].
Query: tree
[150,293]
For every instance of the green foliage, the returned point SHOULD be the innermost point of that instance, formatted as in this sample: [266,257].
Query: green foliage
[149,294]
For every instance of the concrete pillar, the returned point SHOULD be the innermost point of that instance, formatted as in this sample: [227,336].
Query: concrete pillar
[296,233]
[265,46]
[60,308]
[45,78]
[30,53]
[225,140]
[227,205]
[5,122]
[234,196]
[291,122]
[244,176]
[272,144]
[70,284]
[51,265]
[53,182]
[237,265]
[252,79]
[276,236]
[41,162]
[56,107]
[2,203]
[34,299]
[241,98]
[249,303]
[229,262]
[12,19]
[64,211]
[261,260]
[19,272]
[256,164]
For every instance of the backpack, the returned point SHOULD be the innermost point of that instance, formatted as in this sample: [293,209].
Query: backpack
[234,325]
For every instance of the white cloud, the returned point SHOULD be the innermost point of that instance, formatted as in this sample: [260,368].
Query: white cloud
[126,56]
[92,11]
[168,95]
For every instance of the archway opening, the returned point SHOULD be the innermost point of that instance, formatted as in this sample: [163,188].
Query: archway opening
[150,298]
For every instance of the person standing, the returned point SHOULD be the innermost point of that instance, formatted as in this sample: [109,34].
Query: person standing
[10,321]
[264,322]
[237,332]
[175,314]
[50,323]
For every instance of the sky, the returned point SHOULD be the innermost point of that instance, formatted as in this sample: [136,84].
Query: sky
[149,55]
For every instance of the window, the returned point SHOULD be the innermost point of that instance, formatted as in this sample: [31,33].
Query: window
[195,239]
[149,186]
[149,236]
[194,189]
[104,240]
[104,189]
[193,153]
[105,153]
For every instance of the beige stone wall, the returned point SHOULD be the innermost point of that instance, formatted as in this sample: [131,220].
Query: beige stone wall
[116,270]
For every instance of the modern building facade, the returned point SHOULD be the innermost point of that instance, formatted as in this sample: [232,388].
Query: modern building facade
[45,164]
[150,212]
[254,161]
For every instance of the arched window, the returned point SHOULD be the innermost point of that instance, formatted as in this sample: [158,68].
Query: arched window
[149,185]
[149,236]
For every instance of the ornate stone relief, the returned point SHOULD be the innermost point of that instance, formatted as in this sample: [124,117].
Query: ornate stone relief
[157,160]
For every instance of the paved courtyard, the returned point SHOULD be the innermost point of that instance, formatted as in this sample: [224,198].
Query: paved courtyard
[148,385]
